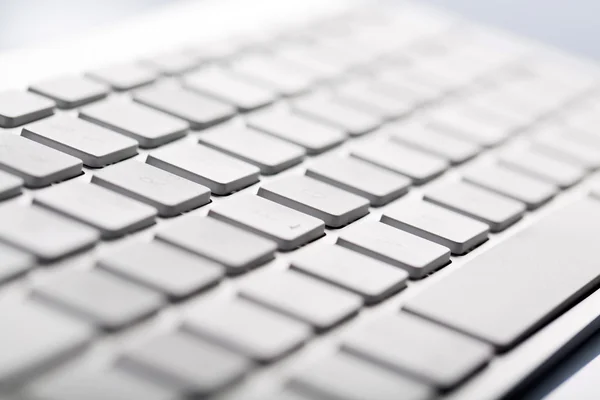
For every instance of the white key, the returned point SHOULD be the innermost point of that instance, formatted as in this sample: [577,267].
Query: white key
[171,63]
[365,97]
[564,147]
[123,76]
[10,185]
[18,108]
[71,91]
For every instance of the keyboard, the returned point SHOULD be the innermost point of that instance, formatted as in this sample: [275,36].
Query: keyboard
[376,202]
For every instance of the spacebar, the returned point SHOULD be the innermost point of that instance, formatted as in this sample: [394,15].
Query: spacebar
[508,292]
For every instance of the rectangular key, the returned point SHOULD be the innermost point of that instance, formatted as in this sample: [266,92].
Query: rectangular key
[247,328]
[327,110]
[179,361]
[417,256]
[18,108]
[36,164]
[123,76]
[229,88]
[149,127]
[10,185]
[566,148]
[33,229]
[365,276]
[417,165]
[345,377]
[378,185]
[170,194]
[71,91]
[174,272]
[94,145]
[13,263]
[334,206]
[363,96]
[99,297]
[319,304]
[199,111]
[232,247]
[171,63]
[34,338]
[531,191]
[485,298]
[270,154]
[408,344]
[287,227]
[111,213]
[455,231]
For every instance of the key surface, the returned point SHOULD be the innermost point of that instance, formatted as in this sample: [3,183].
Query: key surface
[247,328]
[150,128]
[94,145]
[415,164]
[327,110]
[10,185]
[531,191]
[314,137]
[378,185]
[270,154]
[111,213]
[34,337]
[98,297]
[229,88]
[174,272]
[334,206]
[415,255]
[70,91]
[171,63]
[221,173]
[13,262]
[287,227]
[309,300]
[419,348]
[497,211]
[168,193]
[345,377]
[365,276]
[36,164]
[365,97]
[199,111]
[123,76]
[236,249]
[34,230]
[179,361]
[18,108]
[565,148]
[491,296]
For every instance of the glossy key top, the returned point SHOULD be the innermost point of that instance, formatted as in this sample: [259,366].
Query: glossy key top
[70,91]
[18,108]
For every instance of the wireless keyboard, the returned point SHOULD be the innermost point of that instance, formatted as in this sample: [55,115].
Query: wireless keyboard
[352,202]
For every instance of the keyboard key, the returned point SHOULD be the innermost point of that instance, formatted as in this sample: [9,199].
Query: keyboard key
[417,256]
[377,185]
[485,298]
[100,298]
[301,56]
[71,91]
[149,127]
[287,227]
[419,348]
[175,273]
[123,76]
[249,329]
[13,263]
[314,137]
[363,96]
[34,338]
[36,164]
[181,362]
[334,206]
[10,185]
[268,153]
[229,88]
[199,111]
[515,185]
[420,167]
[369,278]
[111,213]
[345,377]
[327,110]
[33,229]
[236,249]
[171,63]
[94,145]
[18,108]
[565,148]
[319,304]
[221,173]
[170,194]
